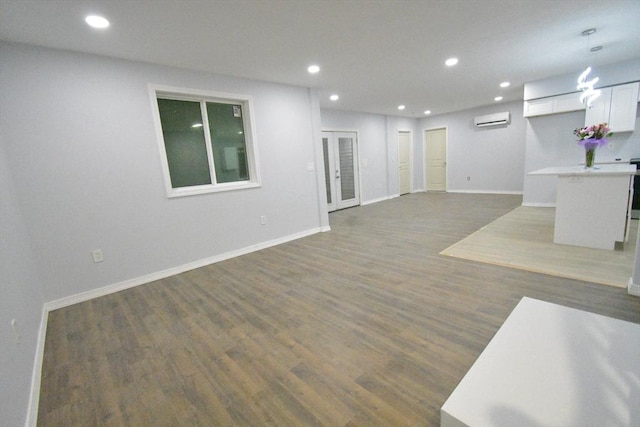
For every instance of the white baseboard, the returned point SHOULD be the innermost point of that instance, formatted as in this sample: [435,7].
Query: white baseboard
[539,205]
[36,376]
[516,193]
[131,283]
[633,288]
[372,201]
[34,398]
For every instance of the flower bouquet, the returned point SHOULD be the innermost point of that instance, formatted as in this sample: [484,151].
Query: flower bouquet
[592,137]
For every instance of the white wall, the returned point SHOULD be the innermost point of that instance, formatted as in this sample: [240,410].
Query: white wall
[20,299]
[492,157]
[378,148]
[550,142]
[81,170]
[83,153]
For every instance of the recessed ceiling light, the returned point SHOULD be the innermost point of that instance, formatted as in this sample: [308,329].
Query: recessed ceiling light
[96,21]
[427,112]
[334,97]
[313,69]
[497,98]
[504,84]
[401,107]
[451,62]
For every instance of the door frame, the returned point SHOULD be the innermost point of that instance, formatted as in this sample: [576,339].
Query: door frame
[358,176]
[410,132]
[424,159]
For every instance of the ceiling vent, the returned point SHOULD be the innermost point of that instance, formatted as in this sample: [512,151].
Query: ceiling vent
[495,119]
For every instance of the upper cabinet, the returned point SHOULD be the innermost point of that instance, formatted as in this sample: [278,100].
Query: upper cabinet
[553,105]
[617,106]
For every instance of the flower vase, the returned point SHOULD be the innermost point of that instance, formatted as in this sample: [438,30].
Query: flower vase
[590,146]
[590,157]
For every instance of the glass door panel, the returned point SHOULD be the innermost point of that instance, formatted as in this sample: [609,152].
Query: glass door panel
[340,151]
[329,173]
[347,169]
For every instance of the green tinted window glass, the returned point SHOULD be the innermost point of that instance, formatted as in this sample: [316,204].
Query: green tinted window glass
[184,142]
[226,127]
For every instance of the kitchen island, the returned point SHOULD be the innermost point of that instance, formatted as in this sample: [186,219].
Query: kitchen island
[550,365]
[593,206]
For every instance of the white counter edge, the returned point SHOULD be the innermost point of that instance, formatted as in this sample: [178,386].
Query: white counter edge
[605,169]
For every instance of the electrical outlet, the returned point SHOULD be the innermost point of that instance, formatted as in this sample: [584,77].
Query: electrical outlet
[263,220]
[97,255]
[310,166]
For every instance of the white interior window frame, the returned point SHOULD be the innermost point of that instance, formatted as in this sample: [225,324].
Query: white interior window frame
[203,96]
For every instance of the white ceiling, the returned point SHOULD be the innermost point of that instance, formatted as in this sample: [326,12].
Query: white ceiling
[374,54]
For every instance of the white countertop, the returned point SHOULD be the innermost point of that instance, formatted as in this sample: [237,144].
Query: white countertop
[550,365]
[600,169]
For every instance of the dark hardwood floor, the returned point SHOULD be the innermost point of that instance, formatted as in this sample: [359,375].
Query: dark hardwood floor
[365,325]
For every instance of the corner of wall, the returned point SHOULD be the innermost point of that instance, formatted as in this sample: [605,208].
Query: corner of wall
[36,376]
[633,288]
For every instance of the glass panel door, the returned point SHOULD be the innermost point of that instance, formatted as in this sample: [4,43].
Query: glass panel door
[340,151]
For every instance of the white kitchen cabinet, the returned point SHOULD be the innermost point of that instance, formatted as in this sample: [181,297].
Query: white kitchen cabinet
[553,105]
[624,105]
[538,107]
[617,106]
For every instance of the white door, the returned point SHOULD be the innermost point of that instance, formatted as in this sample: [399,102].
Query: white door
[341,169]
[436,159]
[404,162]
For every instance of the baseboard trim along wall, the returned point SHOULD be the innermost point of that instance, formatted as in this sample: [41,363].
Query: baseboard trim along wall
[633,288]
[372,201]
[36,376]
[485,192]
[32,415]
[106,290]
[539,205]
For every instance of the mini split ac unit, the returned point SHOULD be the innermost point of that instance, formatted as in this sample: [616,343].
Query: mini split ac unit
[493,119]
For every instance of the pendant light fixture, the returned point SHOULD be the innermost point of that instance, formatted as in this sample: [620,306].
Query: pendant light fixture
[589,94]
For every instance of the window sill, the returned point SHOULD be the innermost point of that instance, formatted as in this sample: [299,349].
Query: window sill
[204,189]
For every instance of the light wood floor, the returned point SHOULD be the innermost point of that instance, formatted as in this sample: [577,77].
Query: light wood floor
[366,325]
[523,238]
